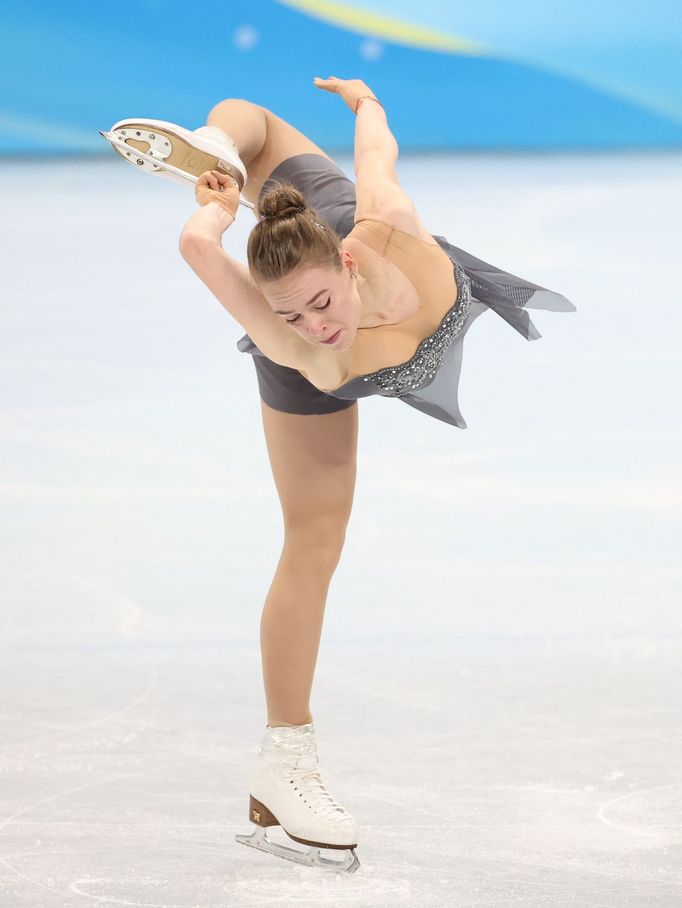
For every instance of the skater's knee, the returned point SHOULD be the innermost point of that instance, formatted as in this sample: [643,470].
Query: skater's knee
[318,546]
[244,122]
[231,107]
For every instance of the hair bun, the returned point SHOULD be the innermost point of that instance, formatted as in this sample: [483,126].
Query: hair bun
[282,202]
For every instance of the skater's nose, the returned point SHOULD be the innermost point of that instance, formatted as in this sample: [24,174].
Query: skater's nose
[318,329]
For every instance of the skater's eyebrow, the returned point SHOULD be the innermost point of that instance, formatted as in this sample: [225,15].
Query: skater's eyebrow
[309,303]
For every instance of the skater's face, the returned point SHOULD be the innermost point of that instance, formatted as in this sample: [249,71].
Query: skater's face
[319,303]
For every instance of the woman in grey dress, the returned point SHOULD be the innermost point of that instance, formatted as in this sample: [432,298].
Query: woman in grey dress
[347,294]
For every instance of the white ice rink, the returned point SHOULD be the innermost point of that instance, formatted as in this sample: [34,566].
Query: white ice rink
[498,696]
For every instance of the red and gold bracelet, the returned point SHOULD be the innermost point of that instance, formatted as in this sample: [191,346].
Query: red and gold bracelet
[371,97]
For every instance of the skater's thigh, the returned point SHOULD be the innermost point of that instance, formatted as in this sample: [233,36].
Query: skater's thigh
[313,461]
[282,141]
[326,189]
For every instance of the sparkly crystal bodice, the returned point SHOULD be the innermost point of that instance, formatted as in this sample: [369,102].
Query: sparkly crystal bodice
[429,380]
[421,368]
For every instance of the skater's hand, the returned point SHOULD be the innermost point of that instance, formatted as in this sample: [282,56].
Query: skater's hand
[213,186]
[351,90]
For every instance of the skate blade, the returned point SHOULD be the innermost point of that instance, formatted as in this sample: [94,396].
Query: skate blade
[131,153]
[311,858]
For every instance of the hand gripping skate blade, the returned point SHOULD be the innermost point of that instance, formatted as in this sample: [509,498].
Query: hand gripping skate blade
[311,857]
[134,155]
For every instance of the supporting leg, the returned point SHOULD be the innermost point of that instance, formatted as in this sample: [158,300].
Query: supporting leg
[313,460]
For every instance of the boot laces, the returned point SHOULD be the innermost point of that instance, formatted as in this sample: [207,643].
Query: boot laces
[317,795]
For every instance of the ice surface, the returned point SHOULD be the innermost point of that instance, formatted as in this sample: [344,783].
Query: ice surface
[498,690]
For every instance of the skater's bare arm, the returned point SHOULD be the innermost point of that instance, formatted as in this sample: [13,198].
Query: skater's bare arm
[230,282]
[378,192]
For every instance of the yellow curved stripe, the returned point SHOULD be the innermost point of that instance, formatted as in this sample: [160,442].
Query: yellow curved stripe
[385,27]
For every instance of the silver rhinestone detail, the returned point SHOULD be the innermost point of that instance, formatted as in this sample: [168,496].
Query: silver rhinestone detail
[395,381]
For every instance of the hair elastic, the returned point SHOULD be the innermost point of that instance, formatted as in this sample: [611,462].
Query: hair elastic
[294,210]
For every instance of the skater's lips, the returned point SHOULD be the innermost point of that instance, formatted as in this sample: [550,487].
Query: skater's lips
[330,340]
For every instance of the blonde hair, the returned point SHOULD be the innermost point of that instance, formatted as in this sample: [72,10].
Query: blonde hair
[289,235]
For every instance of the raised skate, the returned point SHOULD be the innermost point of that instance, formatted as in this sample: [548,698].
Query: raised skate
[286,791]
[176,153]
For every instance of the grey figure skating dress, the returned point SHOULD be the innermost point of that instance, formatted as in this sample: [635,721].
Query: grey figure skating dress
[429,380]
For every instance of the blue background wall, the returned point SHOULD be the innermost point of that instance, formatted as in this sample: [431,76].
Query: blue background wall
[452,75]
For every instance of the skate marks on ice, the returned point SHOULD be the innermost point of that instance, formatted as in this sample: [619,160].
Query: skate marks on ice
[495,861]
[311,885]
[95,889]
[317,887]
[649,812]
[310,889]
[96,612]
[130,611]
[48,882]
[81,610]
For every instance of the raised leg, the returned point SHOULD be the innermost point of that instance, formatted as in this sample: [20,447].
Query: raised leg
[313,461]
[264,140]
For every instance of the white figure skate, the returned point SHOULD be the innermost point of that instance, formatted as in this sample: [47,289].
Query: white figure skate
[176,153]
[286,791]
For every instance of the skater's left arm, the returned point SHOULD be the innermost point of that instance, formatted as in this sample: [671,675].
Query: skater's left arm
[379,195]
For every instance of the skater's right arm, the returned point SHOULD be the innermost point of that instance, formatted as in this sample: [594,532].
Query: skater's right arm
[230,282]
[218,195]
[207,224]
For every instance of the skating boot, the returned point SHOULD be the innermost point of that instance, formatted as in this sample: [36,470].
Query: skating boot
[176,153]
[286,791]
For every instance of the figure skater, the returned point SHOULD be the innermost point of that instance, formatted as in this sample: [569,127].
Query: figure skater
[346,295]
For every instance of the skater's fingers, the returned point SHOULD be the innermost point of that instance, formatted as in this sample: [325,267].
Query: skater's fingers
[226,180]
[329,84]
[207,176]
[227,200]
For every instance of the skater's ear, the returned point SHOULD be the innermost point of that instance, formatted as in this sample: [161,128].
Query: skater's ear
[347,260]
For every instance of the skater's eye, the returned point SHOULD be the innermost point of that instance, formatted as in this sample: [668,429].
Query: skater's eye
[291,321]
